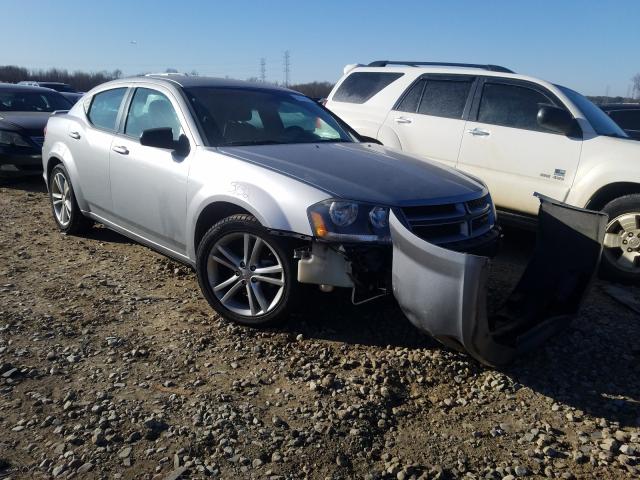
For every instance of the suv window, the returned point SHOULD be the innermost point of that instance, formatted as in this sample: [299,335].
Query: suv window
[361,86]
[445,98]
[409,102]
[511,106]
[103,111]
[151,109]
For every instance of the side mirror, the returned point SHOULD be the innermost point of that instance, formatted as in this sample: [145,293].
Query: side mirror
[555,119]
[369,140]
[163,138]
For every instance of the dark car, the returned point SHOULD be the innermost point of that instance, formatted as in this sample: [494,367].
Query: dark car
[24,112]
[626,115]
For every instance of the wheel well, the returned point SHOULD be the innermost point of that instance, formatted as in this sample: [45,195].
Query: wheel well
[211,215]
[53,161]
[611,192]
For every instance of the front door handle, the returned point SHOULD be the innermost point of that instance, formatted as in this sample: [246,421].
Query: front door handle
[75,135]
[403,120]
[478,132]
[121,150]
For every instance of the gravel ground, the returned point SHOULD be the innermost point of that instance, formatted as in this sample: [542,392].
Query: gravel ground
[112,365]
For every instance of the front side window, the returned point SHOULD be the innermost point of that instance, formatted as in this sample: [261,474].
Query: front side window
[236,116]
[511,106]
[361,86]
[104,107]
[445,98]
[151,109]
[25,101]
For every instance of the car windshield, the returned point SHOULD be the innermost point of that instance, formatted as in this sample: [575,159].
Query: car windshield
[240,116]
[32,101]
[600,121]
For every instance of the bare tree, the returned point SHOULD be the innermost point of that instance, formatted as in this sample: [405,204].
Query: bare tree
[636,85]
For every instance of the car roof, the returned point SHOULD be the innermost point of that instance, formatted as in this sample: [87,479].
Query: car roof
[620,106]
[13,87]
[187,81]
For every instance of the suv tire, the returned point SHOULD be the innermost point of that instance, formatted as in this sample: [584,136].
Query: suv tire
[246,274]
[621,253]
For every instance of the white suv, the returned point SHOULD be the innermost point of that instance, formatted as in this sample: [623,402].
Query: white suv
[519,134]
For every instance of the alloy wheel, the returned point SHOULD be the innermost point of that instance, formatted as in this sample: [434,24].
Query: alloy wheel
[61,198]
[245,274]
[622,241]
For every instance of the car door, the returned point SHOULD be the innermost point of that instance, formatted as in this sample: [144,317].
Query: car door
[149,184]
[429,118]
[90,144]
[504,145]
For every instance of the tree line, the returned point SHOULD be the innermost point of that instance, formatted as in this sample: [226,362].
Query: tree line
[81,81]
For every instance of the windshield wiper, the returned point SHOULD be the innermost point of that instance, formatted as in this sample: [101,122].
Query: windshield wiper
[240,143]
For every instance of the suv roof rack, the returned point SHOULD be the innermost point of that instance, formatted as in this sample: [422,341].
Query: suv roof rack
[493,68]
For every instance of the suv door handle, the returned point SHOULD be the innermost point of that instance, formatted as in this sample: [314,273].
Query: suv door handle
[478,132]
[121,150]
[75,135]
[403,120]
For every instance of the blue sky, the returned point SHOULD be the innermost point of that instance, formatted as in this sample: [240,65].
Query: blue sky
[591,46]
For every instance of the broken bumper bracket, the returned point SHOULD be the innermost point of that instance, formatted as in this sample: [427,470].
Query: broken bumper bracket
[444,293]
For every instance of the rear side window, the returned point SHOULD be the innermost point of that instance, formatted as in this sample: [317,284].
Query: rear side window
[511,106]
[627,119]
[103,111]
[409,102]
[445,98]
[361,86]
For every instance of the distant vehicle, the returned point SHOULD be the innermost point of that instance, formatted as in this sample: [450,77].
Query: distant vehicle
[57,86]
[517,133]
[24,111]
[626,115]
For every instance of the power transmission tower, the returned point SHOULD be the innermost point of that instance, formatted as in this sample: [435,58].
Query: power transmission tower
[287,67]
[263,70]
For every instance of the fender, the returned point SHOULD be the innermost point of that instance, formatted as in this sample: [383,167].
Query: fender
[61,152]
[274,199]
[389,138]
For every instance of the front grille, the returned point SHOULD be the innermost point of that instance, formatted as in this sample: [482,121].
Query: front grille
[38,140]
[451,222]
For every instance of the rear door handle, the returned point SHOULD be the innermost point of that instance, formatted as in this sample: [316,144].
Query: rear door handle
[121,150]
[75,135]
[403,120]
[478,132]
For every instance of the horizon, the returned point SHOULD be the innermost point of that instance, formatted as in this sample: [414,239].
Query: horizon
[529,38]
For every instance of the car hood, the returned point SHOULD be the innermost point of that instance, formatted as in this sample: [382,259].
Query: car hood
[30,123]
[363,172]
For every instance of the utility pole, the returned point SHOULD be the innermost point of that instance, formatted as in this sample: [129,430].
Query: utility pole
[263,70]
[606,95]
[287,67]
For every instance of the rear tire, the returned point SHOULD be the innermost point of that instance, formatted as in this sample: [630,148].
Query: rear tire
[621,253]
[246,274]
[64,206]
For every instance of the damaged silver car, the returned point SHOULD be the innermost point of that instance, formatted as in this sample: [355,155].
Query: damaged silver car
[261,190]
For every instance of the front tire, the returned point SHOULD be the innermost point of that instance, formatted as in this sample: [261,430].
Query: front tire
[64,206]
[621,254]
[245,273]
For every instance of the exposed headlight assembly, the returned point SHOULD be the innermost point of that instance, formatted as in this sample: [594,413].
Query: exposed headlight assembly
[347,221]
[12,139]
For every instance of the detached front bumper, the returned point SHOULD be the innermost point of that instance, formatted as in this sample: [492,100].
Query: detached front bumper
[444,293]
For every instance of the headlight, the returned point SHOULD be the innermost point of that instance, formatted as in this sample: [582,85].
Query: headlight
[346,221]
[12,138]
